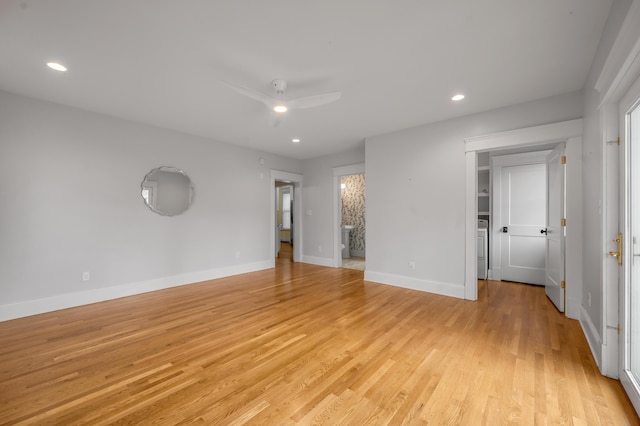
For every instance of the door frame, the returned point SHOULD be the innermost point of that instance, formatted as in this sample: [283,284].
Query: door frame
[620,70]
[338,172]
[630,101]
[569,132]
[296,182]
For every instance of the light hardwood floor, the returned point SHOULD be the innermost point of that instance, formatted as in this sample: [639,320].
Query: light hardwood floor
[304,344]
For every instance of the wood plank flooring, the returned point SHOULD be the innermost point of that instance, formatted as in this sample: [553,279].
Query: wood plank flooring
[304,344]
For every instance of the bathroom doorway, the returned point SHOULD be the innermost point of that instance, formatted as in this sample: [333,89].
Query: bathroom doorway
[350,217]
[353,207]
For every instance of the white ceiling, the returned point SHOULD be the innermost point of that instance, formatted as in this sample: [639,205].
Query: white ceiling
[397,63]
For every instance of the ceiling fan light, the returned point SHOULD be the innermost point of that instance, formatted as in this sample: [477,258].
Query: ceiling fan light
[280,109]
[458,97]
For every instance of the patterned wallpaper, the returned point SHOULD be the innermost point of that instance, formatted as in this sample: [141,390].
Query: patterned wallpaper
[353,208]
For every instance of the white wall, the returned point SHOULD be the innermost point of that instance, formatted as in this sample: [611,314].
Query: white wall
[416,194]
[70,190]
[317,199]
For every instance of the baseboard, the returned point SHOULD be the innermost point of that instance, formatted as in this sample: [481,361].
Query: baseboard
[358,253]
[445,289]
[593,338]
[610,350]
[69,300]
[321,261]
[573,308]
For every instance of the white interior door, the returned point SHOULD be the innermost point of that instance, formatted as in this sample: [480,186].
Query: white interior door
[523,205]
[555,238]
[628,250]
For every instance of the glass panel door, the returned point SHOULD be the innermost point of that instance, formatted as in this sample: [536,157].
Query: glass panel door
[633,138]
[629,205]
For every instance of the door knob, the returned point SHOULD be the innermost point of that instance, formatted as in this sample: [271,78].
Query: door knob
[543,231]
[505,229]
[618,254]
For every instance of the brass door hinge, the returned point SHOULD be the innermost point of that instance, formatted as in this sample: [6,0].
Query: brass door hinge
[563,222]
[618,328]
[563,284]
[563,159]
[618,140]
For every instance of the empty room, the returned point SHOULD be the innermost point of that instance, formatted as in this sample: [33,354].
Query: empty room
[186,235]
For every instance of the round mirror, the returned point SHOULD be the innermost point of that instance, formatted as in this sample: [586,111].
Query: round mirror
[167,191]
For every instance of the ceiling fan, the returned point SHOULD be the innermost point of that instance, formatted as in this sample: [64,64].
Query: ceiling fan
[281,106]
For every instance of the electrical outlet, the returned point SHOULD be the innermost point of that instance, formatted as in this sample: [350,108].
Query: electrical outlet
[319,249]
[86,276]
[589,298]
[412,265]
[238,254]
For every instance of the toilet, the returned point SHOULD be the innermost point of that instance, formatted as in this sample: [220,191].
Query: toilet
[346,229]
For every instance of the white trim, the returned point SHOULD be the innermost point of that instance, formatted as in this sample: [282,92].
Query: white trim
[445,289]
[620,71]
[566,131]
[536,157]
[529,136]
[296,181]
[609,228]
[591,333]
[627,384]
[471,225]
[280,175]
[354,169]
[625,280]
[573,240]
[623,63]
[610,362]
[71,300]
[321,261]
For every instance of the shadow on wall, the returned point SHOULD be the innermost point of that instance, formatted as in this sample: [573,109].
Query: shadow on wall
[353,211]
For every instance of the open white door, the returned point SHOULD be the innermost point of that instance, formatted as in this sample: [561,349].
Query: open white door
[555,235]
[523,204]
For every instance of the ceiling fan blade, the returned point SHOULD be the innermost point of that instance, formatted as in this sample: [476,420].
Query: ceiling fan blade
[274,121]
[314,101]
[257,96]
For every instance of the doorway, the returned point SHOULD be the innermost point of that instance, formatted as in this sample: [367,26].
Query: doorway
[338,173]
[294,182]
[284,220]
[352,213]
[526,139]
[519,192]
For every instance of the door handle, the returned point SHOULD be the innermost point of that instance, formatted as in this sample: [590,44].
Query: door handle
[505,229]
[543,231]
[618,254]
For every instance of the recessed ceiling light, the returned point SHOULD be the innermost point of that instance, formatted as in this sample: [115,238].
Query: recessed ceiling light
[295,140]
[458,97]
[280,109]
[56,66]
